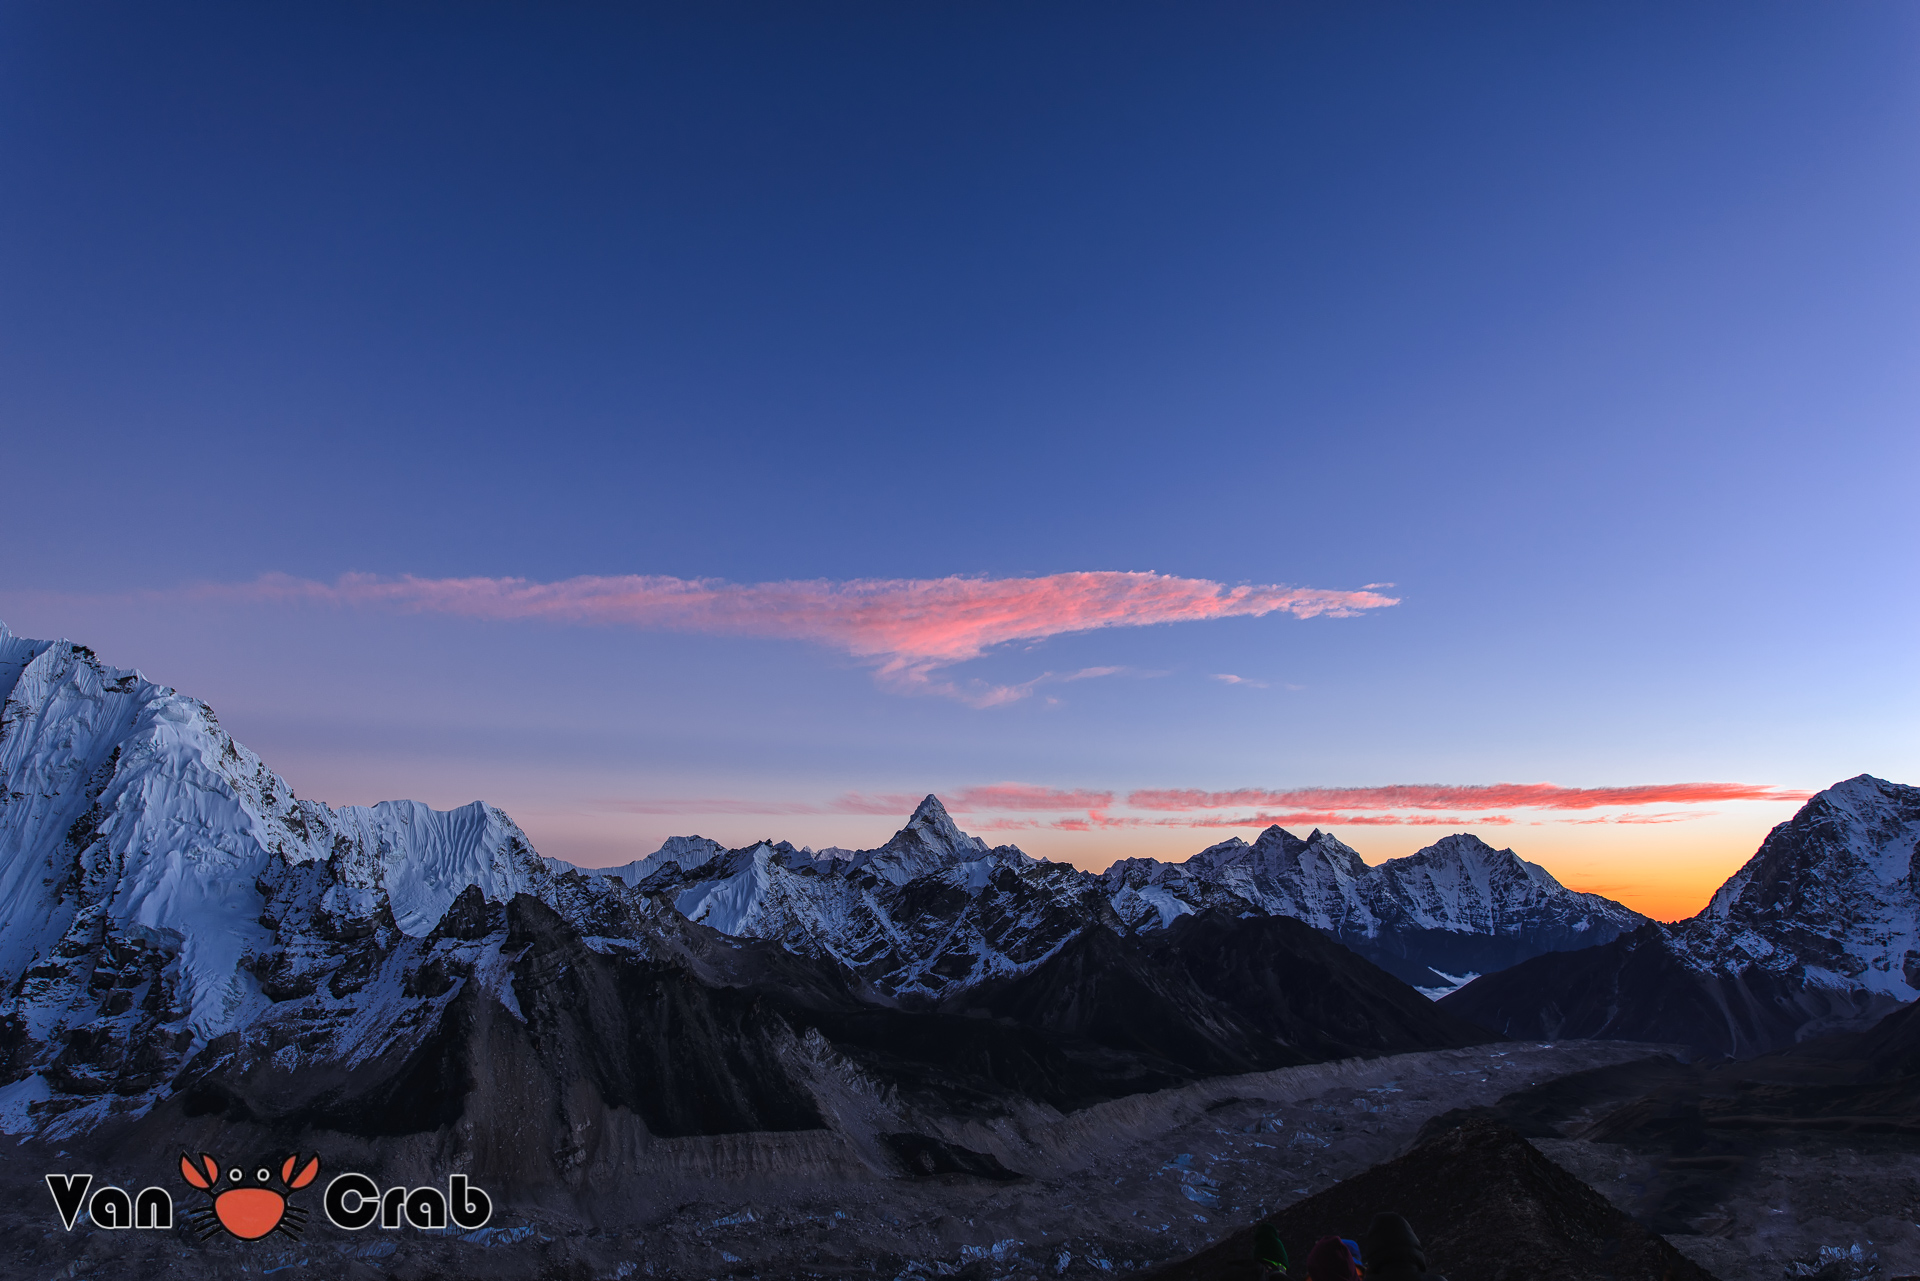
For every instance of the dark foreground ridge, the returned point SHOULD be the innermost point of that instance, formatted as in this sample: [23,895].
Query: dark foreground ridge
[1487,1207]
[702,1036]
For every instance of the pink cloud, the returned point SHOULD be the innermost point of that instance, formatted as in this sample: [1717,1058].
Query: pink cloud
[908,629]
[1231,679]
[1475,796]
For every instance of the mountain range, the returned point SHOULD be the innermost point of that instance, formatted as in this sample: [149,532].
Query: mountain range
[182,929]
[1819,932]
[187,939]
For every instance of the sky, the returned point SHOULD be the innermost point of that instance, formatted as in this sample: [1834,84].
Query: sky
[1133,423]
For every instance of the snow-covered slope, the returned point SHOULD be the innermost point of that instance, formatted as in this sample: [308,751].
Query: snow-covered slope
[137,840]
[1455,909]
[1833,893]
[932,909]
[935,910]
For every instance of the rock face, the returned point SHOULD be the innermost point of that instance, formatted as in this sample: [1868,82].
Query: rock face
[1819,931]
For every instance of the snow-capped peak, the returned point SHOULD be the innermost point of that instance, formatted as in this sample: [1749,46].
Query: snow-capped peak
[930,841]
[1835,890]
[931,830]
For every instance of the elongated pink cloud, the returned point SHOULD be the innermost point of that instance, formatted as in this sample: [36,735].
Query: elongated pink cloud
[1419,796]
[1097,821]
[907,628]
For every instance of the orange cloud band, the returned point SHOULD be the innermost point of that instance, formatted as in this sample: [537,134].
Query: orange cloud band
[907,627]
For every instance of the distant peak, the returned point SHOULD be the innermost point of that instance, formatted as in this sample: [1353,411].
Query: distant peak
[932,831]
[1464,841]
[1463,848]
[1280,837]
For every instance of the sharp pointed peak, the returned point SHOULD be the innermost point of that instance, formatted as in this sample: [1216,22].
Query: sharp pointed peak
[930,808]
[931,832]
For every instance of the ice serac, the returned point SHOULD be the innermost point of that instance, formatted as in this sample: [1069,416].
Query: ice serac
[1818,932]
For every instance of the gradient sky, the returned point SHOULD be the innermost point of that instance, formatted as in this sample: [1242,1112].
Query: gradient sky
[744,419]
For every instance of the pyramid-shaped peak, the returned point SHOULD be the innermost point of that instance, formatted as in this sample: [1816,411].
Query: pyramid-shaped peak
[930,810]
[931,832]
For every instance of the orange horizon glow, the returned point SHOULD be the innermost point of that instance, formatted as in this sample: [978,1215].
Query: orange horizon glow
[1653,848]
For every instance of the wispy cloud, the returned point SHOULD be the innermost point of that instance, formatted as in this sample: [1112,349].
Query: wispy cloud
[1231,679]
[909,629]
[1482,796]
[1666,816]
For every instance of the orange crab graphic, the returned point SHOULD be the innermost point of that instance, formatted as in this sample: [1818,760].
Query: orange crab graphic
[248,1208]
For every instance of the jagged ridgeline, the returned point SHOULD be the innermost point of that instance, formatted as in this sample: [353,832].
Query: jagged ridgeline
[1818,933]
[187,944]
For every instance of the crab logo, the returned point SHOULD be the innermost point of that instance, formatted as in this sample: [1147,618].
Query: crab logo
[249,1208]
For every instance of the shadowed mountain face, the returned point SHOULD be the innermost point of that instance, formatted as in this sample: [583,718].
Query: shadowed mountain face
[1484,1204]
[701,1035]
[1730,1149]
[1219,994]
[1820,931]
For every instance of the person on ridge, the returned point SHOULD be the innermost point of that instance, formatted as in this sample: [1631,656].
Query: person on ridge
[1270,1252]
[1333,1259]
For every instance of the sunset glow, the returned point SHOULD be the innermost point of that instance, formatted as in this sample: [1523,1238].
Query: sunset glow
[1138,428]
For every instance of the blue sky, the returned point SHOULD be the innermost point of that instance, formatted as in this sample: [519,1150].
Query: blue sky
[1590,328]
